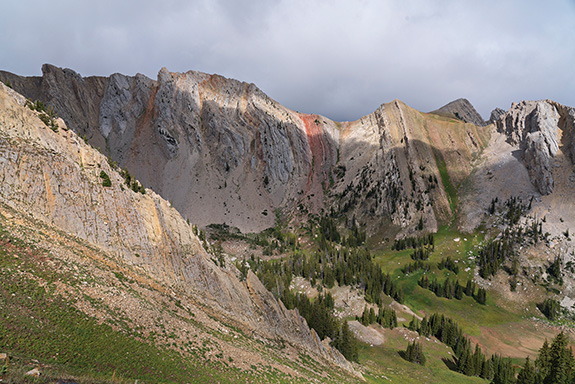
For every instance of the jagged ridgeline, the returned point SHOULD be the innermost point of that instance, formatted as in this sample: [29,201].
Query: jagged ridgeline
[236,158]
[193,219]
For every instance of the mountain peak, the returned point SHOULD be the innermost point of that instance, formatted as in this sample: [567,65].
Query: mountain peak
[461,109]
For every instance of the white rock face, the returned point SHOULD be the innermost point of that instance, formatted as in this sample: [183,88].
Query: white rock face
[537,128]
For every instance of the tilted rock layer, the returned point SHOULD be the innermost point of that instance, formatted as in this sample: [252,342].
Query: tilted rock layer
[220,150]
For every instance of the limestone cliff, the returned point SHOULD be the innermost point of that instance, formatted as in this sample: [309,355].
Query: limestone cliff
[540,129]
[55,179]
[220,150]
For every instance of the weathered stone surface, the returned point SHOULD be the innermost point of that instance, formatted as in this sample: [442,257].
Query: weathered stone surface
[200,140]
[34,372]
[496,114]
[461,109]
[537,127]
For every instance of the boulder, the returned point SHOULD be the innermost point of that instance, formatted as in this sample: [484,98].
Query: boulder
[34,372]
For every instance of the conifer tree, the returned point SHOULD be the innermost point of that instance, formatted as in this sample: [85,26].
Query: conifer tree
[543,361]
[478,360]
[365,316]
[487,370]
[372,317]
[346,342]
[414,353]
[481,296]
[561,361]
[527,375]
[413,324]
[458,291]
[503,372]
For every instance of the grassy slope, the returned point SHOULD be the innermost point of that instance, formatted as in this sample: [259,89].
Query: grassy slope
[37,323]
[40,327]
[496,326]
[384,364]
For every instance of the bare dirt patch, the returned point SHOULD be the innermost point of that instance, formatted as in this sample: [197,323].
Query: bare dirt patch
[372,335]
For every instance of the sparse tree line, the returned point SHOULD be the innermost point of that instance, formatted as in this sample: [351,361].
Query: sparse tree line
[421,253]
[514,209]
[413,242]
[554,364]
[386,317]
[470,362]
[328,232]
[494,255]
[500,252]
[328,265]
[346,266]
[550,308]
[46,113]
[415,266]
[448,263]
[130,181]
[319,316]
[452,289]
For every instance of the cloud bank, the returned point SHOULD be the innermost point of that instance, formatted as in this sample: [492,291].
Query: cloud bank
[337,58]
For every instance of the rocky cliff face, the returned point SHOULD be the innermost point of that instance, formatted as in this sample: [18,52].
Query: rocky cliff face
[540,129]
[496,114]
[221,151]
[393,165]
[54,178]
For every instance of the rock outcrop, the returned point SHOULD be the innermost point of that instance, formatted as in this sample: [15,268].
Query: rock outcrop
[461,109]
[496,114]
[539,129]
[390,165]
[54,178]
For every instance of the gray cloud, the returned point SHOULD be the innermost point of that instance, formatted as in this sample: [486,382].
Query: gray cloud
[337,58]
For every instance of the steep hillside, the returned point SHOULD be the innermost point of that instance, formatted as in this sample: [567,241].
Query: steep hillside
[54,193]
[405,165]
[375,225]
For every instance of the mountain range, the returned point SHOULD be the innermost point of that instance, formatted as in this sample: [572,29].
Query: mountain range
[124,194]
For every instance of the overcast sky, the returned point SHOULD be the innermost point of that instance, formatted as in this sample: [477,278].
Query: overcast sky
[338,58]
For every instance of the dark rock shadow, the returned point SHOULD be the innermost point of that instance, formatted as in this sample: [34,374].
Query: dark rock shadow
[450,363]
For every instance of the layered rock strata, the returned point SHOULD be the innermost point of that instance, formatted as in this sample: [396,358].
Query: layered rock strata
[463,110]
